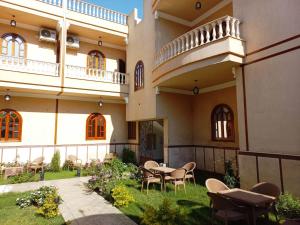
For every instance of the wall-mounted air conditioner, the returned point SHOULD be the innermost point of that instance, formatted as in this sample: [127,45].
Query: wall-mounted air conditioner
[72,42]
[47,35]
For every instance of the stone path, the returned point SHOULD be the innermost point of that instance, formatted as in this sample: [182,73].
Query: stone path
[80,206]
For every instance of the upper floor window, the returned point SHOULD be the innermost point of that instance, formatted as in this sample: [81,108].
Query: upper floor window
[131,130]
[11,125]
[222,123]
[96,60]
[96,127]
[139,76]
[13,45]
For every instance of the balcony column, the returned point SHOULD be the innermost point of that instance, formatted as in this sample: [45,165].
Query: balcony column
[233,20]
[220,29]
[227,26]
[196,33]
[207,34]
[238,29]
[201,36]
[214,34]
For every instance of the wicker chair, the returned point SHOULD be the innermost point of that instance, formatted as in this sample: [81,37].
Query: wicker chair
[270,189]
[36,164]
[150,164]
[109,157]
[75,160]
[226,210]
[190,167]
[177,178]
[150,177]
[214,185]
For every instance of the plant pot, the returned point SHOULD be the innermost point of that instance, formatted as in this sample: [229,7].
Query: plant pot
[292,222]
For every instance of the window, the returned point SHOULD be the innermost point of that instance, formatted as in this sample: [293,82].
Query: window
[96,60]
[13,45]
[222,123]
[11,125]
[95,127]
[139,76]
[131,130]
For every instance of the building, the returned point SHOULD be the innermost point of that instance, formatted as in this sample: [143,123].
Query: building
[208,81]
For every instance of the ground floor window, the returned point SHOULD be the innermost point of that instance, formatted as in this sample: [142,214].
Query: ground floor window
[96,127]
[131,130]
[11,125]
[222,123]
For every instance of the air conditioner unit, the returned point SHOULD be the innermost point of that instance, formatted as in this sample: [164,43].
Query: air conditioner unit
[47,35]
[72,41]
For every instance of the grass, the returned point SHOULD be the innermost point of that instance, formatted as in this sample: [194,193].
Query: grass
[63,174]
[11,214]
[195,202]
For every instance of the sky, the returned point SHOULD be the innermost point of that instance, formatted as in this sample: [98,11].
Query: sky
[124,6]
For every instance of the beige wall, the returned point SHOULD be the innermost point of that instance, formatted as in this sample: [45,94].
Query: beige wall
[79,57]
[36,50]
[203,106]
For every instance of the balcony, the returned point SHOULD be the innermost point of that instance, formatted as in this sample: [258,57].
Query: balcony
[28,66]
[214,43]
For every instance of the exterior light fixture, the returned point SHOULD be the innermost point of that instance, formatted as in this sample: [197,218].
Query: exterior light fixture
[100,103]
[196,89]
[13,22]
[7,96]
[100,42]
[198,5]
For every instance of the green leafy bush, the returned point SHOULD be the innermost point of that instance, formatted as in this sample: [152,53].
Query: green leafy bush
[55,162]
[288,206]
[128,156]
[121,196]
[229,178]
[68,165]
[22,178]
[164,215]
[46,199]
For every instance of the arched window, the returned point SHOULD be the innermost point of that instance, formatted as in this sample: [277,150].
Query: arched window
[139,76]
[222,123]
[13,45]
[95,127]
[11,125]
[96,60]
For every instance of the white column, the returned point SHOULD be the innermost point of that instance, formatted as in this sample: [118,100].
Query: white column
[207,34]
[233,27]
[238,29]
[214,34]
[201,36]
[227,26]
[220,28]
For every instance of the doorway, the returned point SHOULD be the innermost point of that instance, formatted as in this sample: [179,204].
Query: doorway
[151,139]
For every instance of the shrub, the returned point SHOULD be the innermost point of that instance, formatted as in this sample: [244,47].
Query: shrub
[128,156]
[68,165]
[229,178]
[121,196]
[49,209]
[55,162]
[22,178]
[164,215]
[288,206]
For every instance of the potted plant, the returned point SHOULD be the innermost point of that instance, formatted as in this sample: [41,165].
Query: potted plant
[288,207]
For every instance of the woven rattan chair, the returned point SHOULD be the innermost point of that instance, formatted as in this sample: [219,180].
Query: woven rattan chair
[150,164]
[36,164]
[177,177]
[214,185]
[75,160]
[190,167]
[149,177]
[226,210]
[270,189]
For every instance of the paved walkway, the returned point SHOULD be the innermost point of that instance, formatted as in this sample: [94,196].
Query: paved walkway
[80,206]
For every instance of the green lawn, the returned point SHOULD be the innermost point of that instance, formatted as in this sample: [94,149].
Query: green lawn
[195,202]
[10,214]
[50,176]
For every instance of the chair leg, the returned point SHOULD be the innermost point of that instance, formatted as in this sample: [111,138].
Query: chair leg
[184,188]
[142,186]
[147,187]
[194,180]
[175,188]
[161,186]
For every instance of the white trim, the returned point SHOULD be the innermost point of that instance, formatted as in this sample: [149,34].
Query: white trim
[202,90]
[166,16]
[21,25]
[104,44]
[63,97]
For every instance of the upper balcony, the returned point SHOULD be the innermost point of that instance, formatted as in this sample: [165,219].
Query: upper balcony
[187,58]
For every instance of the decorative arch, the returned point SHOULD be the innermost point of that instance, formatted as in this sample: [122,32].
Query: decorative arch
[13,45]
[96,60]
[11,125]
[139,75]
[96,127]
[222,123]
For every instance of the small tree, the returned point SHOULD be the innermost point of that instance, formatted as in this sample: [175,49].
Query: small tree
[229,178]
[55,162]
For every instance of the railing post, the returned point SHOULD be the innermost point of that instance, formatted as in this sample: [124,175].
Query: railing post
[220,29]
[207,34]
[233,27]
[227,26]
[238,29]
[214,34]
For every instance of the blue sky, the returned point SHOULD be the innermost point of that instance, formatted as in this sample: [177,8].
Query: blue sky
[125,6]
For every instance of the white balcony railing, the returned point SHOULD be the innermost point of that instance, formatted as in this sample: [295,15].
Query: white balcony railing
[97,11]
[28,65]
[53,2]
[84,73]
[221,28]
